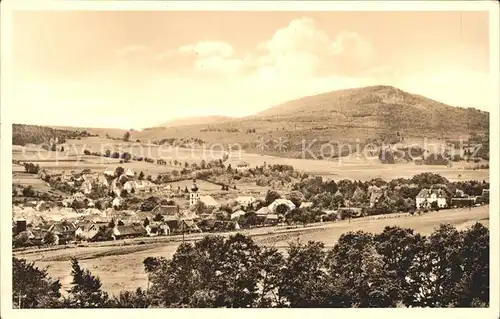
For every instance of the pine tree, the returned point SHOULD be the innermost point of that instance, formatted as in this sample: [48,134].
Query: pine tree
[86,291]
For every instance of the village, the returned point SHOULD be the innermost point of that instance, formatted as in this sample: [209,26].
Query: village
[121,203]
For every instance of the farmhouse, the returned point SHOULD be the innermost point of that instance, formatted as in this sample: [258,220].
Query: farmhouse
[129,231]
[428,196]
[157,229]
[245,200]
[281,201]
[87,230]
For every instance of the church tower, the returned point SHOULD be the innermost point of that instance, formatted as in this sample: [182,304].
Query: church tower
[194,196]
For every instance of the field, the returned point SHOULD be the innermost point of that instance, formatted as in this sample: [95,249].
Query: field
[341,168]
[119,264]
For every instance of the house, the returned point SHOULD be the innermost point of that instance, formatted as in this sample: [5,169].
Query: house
[93,211]
[189,226]
[281,201]
[117,202]
[145,185]
[194,196]
[375,194]
[165,210]
[264,211]
[103,179]
[67,202]
[225,225]
[209,201]
[67,176]
[157,229]
[64,231]
[237,214]
[463,201]
[87,187]
[272,219]
[173,224]
[87,230]
[42,206]
[79,197]
[129,173]
[426,197]
[90,177]
[306,205]
[486,192]
[130,186]
[240,165]
[245,200]
[109,172]
[129,231]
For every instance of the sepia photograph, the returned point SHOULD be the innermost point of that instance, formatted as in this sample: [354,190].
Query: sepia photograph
[250,156]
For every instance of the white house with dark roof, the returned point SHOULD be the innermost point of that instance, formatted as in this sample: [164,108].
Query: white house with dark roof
[428,196]
[245,200]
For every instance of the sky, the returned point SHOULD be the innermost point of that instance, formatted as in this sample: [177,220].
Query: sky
[137,69]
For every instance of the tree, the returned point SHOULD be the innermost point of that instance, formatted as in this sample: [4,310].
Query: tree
[401,249]
[200,207]
[49,238]
[282,209]
[86,289]
[438,270]
[304,275]
[146,222]
[141,176]
[119,171]
[434,206]
[131,299]
[296,197]
[32,287]
[474,286]
[126,136]
[271,196]
[358,274]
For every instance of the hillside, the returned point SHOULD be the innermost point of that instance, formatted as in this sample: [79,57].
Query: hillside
[360,115]
[186,121]
[382,107]
[346,116]
[23,134]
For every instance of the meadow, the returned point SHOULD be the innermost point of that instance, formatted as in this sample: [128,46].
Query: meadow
[352,167]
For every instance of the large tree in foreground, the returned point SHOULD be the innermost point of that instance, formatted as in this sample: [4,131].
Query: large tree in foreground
[32,287]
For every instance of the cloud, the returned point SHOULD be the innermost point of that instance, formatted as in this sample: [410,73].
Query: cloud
[300,49]
[209,48]
[314,52]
